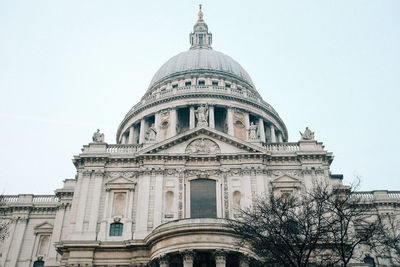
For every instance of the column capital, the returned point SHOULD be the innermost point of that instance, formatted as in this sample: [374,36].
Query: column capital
[187,255]
[220,256]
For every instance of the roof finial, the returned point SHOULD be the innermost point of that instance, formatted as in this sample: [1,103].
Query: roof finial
[200,14]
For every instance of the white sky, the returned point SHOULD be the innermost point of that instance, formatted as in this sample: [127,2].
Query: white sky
[70,67]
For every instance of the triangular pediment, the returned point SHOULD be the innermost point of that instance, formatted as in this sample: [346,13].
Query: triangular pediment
[44,227]
[202,141]
[286,181]
[120,180]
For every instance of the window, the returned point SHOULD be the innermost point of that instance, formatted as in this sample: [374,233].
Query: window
[228,85]
[202,82]
[370,261]
[203,202]
[200,39]
[188,83]
[175,85]
[38,263]
[215,83]
[116,229]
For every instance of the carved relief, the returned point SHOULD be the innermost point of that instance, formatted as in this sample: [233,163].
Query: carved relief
[202,146]
[202,116]
[164,124]
[119,205]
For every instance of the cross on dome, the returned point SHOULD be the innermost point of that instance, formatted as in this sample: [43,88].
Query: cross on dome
[200,37]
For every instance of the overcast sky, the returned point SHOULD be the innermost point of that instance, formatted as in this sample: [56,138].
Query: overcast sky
[70,67]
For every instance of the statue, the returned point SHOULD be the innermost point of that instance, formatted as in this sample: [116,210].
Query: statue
[307,135]
[202,116]
[151,134]
[202,146]
[98,137]
[253,131]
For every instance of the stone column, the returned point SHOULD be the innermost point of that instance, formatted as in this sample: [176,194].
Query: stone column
[81,205]
[247,124]
[191,118]
[261,129]
[273,136]
[164,261]
[211,117]
[173,121]
[229,119]
[244,261]
[95,205]
[280,139]
[220,258]
[123,140]
[188,257]
[142,133]
[157,123]
[131,135]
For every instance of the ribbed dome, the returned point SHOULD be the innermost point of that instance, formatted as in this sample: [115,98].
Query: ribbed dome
[197,60]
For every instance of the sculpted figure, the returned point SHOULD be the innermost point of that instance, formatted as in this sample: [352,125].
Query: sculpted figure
[307,135]
[98,137]
[202,115]
[253,131]
[151,133]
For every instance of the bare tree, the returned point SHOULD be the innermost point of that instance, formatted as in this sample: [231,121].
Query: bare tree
[387,242]
[323,226]
[283,229]
[4,222]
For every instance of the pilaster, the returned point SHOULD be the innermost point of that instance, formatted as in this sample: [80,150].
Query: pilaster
[191,117]
[173,122]
[211,116]
[230,121]
[261,129]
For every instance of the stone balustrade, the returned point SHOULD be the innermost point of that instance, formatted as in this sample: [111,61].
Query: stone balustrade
[244,94]
[378,195]
[28,198]
[281,147]
[124,148]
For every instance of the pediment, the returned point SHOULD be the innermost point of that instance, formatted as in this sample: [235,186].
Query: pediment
[120,182]
[202,141]
[44,227]
[286,181]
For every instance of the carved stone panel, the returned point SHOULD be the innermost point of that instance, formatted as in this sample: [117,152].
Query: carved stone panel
[202,146]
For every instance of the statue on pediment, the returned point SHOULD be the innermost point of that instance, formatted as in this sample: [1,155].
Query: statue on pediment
[253,131]
[202,116]
[307,135]
[151,133]
[98,137]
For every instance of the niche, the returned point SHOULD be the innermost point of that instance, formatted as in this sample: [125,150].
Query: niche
[236,200]
[118,205]
[169,204]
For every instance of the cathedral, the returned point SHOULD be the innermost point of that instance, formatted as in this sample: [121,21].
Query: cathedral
[199,146]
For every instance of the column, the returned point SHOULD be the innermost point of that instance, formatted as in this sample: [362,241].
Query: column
[164,261]
[261,129]
[230,121]
[220,258]
[188,256]
[247,124]
[244,261]
[19,234]
[157,123]
[280,140]
[82,198]
[104,223]
[273,136]
[123,141]
[131,135]
[211,122]
[173,121]
[191,118]
[142,133]
[95,205]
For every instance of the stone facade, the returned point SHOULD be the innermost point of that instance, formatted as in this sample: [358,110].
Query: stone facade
[133,204]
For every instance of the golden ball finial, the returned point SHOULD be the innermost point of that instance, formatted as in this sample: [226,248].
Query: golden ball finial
[200,14]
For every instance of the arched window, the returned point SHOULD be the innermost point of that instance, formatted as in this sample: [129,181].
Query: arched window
[203,203]
[116,229]
[38,263]
[369,260]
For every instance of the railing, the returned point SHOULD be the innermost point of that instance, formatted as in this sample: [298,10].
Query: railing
[393,194]
[123,149]
[281,147]
[9,199]
[44,198]
[363,194]
[247,94]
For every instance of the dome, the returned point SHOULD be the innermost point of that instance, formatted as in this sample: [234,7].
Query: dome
[198,60]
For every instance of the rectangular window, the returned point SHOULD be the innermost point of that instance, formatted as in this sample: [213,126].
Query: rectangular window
[200,39]
[214,83]
[116,229]
[188,83]
[175,85]
[202,82]
[203,202]
[228,85]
